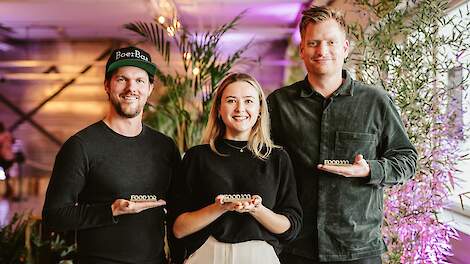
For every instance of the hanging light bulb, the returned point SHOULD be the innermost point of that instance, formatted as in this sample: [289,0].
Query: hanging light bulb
[196,71]
[161,19]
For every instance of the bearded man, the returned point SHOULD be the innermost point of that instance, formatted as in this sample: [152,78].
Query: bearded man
[99,169]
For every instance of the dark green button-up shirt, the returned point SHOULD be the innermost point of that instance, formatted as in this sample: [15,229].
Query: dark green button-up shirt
[342,216]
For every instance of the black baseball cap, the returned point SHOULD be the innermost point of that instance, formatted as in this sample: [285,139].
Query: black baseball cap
[131,56]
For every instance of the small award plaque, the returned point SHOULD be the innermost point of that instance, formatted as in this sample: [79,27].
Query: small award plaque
[233,198]
[143,198]
[336,162]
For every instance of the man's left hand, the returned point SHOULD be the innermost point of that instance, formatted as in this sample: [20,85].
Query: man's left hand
[360,168]
[122,206]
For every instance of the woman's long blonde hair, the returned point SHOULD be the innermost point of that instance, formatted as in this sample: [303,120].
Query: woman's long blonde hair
[259,141]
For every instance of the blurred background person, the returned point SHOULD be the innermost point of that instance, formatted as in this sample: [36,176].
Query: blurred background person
[7,158]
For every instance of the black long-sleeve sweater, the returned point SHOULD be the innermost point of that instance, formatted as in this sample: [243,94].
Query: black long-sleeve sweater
[205,174]
[95,167]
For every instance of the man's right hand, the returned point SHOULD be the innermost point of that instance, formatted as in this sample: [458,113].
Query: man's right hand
[122,206]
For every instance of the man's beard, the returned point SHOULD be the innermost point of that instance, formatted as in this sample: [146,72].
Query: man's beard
[120,111]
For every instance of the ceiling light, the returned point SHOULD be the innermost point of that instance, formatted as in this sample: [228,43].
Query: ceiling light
[165,8]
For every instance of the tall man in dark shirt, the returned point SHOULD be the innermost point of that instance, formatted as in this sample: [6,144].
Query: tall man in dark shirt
[98,170]
[329,116]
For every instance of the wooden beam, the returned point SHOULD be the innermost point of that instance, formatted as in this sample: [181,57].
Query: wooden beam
[28,115]
[48,77]
[42,63]
[40,128]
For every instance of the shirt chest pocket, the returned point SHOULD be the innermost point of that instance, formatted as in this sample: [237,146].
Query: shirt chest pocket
[350,144]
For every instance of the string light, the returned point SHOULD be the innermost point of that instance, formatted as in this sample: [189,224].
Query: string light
[176,23]
[166,15]
[170,31]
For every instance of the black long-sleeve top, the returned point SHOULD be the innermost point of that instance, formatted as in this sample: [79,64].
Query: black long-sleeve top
[205,174]
[95,167]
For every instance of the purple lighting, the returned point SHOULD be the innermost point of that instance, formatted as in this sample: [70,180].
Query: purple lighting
[296,37]
[279,12]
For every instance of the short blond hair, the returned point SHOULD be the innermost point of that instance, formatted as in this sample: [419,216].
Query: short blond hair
[317,14]
[259,141]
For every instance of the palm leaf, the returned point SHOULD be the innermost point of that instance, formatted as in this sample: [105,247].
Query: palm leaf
[177,113]
[153,33]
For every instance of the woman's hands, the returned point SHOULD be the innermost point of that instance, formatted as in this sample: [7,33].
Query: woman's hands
[191,222]
[275,223]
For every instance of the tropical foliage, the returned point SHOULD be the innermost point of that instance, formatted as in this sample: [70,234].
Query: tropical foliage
[407,53]
[22,241]
[183,110]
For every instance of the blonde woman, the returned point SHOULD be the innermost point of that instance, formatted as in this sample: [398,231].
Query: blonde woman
[238,158]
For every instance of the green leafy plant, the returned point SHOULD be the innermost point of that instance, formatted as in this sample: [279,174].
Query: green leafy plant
[12,241]
[22,241]
[295,70]
[182,111]
[405,51]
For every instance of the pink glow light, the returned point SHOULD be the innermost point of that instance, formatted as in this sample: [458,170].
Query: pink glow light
[279,12]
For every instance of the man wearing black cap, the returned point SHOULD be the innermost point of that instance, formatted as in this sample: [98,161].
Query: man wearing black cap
[100,168]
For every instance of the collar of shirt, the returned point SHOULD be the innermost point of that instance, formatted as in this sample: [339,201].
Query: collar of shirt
[346,88]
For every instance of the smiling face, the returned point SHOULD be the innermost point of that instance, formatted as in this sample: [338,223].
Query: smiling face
[324,47]
[128,90]
[239,109]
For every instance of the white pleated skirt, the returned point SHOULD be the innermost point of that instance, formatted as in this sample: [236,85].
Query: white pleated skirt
[249,252]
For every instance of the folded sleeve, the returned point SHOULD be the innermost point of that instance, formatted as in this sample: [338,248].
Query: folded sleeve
[179,202]
[287,202]
[397,157]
